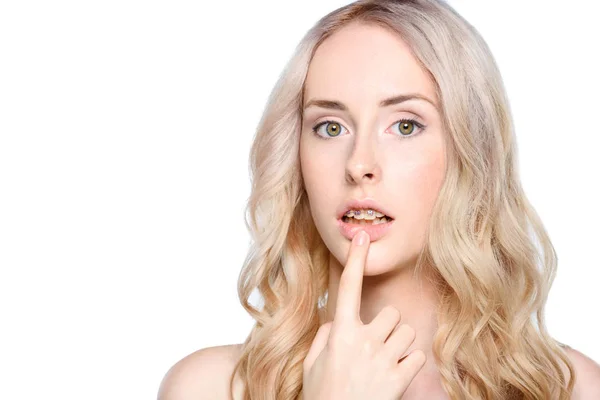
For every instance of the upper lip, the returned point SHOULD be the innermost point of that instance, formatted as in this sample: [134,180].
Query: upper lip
[356,204]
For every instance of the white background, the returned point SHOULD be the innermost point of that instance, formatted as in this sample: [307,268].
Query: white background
[125,131]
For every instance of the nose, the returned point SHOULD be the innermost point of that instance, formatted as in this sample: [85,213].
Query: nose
[362,166]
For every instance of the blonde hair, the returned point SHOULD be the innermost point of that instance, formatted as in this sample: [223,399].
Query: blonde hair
[492,276]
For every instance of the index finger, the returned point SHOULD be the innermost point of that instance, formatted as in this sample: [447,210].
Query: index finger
[349,293]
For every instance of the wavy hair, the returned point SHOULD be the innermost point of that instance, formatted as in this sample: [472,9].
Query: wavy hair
[493,261]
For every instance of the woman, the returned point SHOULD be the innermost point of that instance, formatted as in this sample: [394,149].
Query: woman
[391,118]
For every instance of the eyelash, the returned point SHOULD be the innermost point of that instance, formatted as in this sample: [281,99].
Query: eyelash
[419,125]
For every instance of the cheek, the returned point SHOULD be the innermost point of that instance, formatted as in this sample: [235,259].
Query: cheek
[318,170]
[417,186]
[425,180]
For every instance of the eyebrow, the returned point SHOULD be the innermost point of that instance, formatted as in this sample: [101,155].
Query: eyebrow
[401,98]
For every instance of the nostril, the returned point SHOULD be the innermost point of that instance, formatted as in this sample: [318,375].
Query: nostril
[370,176]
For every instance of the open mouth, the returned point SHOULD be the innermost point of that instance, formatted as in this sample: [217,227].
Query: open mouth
[375,223]
[365,221]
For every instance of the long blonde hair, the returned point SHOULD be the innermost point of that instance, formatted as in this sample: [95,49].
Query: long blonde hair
[493,261]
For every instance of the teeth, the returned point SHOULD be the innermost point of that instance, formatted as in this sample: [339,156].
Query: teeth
[376,221]
[364,214]
[380,221]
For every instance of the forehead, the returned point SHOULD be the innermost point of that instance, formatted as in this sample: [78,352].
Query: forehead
[365,63]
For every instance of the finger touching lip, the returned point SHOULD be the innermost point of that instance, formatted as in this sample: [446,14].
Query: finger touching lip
[376,232]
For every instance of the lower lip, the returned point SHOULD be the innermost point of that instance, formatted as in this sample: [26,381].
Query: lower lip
[375,231]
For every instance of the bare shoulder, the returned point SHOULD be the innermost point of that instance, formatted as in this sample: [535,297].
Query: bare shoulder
[204,374]
[587,375]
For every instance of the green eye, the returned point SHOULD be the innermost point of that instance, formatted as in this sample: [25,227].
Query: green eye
[406,128]
[332,129]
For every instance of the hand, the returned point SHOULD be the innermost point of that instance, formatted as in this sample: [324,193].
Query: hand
[352,361]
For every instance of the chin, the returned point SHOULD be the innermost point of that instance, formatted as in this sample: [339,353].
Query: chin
[382,262]
[380,259]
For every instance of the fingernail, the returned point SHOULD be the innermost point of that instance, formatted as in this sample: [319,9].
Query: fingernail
[360,238]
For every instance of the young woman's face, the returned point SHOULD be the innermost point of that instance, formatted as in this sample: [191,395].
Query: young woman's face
[364,152]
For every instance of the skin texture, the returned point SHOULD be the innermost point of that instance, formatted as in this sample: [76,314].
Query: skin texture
[359,66]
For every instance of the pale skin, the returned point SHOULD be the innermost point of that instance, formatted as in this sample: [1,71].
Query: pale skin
[372,292]
[370,158]
[352,360]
